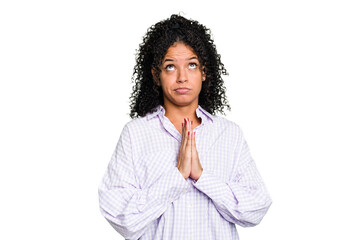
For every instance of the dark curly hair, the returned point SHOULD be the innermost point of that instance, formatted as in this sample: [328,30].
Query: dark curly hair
[147,95]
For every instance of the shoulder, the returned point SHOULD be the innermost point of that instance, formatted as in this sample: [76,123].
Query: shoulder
[143,127]
[136,122]
[227,125]
[136,125]
[150,119]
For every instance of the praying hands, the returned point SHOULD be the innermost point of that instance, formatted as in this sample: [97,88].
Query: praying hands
[188,160]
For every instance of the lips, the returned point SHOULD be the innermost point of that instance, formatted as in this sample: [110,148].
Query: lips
[182,90]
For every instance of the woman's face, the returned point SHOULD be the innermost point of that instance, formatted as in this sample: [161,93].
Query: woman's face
[181,76]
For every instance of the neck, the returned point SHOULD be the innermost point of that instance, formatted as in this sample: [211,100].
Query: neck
[178,113]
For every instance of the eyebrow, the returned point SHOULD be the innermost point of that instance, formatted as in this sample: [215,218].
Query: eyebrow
[172,60]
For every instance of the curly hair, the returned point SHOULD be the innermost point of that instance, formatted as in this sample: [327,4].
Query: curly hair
[147,95]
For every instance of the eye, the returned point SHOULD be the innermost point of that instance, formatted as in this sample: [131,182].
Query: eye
[192,65]
[170,67]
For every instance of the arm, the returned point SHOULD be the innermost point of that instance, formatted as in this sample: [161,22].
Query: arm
[129,208]
[242,200]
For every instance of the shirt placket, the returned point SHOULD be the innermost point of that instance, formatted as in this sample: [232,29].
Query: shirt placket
[190,214]
[189,196]
[170,128]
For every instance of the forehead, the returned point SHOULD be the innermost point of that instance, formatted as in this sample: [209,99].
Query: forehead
[179,51]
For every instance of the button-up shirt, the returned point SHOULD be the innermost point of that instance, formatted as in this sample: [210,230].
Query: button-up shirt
[144,196]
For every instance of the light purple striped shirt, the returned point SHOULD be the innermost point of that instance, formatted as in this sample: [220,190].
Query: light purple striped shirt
[144,196]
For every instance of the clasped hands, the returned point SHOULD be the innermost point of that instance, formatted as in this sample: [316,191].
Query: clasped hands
[188,160]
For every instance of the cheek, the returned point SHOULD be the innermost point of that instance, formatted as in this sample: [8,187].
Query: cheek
[199,87]
[167,80]
[166,87]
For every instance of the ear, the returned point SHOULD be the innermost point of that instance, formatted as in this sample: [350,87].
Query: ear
[156,79]
[203,75]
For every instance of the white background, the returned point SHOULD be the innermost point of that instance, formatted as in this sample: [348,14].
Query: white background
[65,70]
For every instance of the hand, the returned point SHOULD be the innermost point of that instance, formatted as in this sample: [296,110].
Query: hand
[188,159]
[184,158]
[196,168]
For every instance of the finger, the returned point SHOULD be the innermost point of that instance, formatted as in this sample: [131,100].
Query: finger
[187,126]
[184,129]
[192,139]
[191,132]
[193,146]
[191,143]
[193,149]
[182,133]
[188,141]
[185,137]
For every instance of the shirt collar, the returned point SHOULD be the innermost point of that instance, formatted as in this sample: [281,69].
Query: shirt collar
[200,113]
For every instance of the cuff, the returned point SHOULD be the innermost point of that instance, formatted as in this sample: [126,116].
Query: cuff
[170,186]
[210,184]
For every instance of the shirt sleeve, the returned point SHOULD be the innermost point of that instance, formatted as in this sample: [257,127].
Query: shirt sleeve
[127,207]
[243,199]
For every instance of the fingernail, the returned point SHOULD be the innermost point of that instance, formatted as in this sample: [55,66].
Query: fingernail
[185,120]
[191,122]
[188,133]
[182,124]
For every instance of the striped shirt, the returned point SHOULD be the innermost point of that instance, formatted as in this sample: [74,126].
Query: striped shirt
[144,196]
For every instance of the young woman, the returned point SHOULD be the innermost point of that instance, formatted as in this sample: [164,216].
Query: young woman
[178,170]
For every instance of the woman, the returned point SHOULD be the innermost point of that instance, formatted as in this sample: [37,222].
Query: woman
[178,170]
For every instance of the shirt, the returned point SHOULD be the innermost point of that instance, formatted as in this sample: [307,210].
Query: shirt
[144,196]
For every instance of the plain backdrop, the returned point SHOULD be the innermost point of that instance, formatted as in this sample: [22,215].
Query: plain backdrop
[293,85]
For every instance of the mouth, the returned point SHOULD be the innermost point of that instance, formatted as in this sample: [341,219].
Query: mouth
[182,90]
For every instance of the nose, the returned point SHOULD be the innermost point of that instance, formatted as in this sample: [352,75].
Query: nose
[182,75]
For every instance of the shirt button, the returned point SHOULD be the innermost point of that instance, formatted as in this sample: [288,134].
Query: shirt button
[189,205]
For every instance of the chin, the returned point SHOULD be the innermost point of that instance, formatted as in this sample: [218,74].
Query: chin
[182,101]
[182,104]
